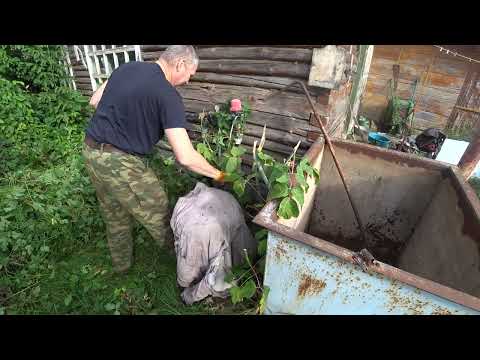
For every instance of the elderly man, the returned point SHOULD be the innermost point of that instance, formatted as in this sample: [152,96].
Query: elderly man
[134,109]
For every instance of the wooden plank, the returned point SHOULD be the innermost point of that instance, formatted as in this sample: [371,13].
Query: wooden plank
[83,81]
[450,66]
[248,139]
[287,104]
[434,105]
[264,82]
[412,56]
[84,86]
[256,67]
[387,52]
[81,73]
[273,121]
[248,67]
[151,56]
[425,120]
[150,48]
[442,80]
[383,67]
[257,53]
[79,67]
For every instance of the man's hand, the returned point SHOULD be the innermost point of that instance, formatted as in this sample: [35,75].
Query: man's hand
[220,178]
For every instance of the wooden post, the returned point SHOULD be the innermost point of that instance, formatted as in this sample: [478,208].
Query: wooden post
[471,157]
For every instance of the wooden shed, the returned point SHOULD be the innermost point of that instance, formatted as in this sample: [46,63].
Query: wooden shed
[253,74]
[448,83]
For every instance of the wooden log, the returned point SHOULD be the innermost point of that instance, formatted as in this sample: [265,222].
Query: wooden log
[151,48]
[79,67]
[273,121]
[81,73]
[255,130]
[151,56]
[287,104]
[82,80]
[81,86]
[279,148]
[256,53]
[256,67]
[264,82]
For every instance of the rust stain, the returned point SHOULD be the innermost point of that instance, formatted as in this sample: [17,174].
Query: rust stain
[280,252]
[310,286]
[442,312]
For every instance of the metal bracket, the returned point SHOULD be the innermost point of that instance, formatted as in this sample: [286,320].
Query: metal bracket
[364,259]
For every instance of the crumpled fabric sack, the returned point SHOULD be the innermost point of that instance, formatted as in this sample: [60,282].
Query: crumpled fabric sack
[210,235]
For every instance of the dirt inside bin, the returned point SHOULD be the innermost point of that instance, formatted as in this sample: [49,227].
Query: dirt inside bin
[380,240]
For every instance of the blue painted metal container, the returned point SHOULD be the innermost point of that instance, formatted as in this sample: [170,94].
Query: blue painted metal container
[423,239]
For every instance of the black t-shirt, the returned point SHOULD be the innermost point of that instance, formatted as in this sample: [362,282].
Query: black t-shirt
[137,104]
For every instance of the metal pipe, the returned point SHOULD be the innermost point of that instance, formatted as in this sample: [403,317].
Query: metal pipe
[332,151]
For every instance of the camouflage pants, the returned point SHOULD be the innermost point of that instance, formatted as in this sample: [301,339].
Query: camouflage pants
[126,190]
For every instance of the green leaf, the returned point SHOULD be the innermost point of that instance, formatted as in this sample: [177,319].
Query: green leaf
[237,151]
[278,191]
[36,291]
[260,234]
[301,181]
[248,289]
[264,157]
[283,179]
[263,300]
[239,187]
[232,164]
[110,307]
[232,177]
[2,311]
[236,294]
[288,208]
[68,300]
[298,195]
[278,170]
[262,247]
[205,151]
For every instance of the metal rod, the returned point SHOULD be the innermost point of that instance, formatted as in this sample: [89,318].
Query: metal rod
[332,151]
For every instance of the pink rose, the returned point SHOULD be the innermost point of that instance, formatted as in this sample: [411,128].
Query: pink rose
[235,105]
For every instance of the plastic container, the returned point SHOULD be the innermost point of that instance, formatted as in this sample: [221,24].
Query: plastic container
[378,139]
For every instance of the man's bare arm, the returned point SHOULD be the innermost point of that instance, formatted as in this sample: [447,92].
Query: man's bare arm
[187,156]
[97,95]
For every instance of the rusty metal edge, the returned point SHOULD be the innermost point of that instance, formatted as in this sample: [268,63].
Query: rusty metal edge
[391,155]
[267,218]
[466,190]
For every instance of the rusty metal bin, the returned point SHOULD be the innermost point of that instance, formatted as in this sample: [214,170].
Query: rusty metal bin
[423,226]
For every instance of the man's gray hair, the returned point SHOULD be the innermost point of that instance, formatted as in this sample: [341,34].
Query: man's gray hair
[177,52]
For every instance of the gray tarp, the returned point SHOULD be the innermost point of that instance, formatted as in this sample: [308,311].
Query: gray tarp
[210,235]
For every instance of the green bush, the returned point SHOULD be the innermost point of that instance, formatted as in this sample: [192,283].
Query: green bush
[47,204]
[39,67]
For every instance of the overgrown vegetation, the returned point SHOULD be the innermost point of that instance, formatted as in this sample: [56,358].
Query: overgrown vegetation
[53,253]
